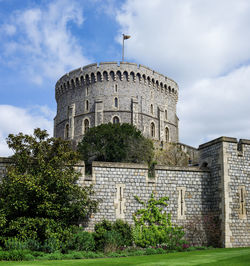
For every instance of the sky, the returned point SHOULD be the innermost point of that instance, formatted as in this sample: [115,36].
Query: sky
[204,45]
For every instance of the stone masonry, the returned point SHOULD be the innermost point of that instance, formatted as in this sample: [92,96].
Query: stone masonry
[220,185]
[111,92]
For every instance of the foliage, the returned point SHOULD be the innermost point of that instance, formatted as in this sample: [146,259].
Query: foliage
[115,143]
[153,225]
[171,155]
[82,241]
[100,229]
[15,244]
[125,230]
[110,236]
[112,241]
[39,197]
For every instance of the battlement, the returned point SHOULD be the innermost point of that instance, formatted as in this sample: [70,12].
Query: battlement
[113,71]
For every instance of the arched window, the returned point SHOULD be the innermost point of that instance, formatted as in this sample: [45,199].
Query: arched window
[119,75]
[105,75]
[99,76]
[112,75]
[86,125]
[86,105]
[152,129]
[166,134]
[125,75]
[66,133]
[116,120]
[152,109]
[92,77]
[116,102]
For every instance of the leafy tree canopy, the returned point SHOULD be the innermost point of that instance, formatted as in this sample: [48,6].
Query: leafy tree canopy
[115,143]
[39,195]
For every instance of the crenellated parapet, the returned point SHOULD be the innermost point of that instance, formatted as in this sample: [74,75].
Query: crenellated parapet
[112,71]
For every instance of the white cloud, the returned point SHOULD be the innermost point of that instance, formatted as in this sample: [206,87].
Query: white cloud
[216,107]
[14,120]
[9,29]
[40,40]
[204,46]
[188,38]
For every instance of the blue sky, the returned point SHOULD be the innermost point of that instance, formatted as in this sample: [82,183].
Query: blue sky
[203,45]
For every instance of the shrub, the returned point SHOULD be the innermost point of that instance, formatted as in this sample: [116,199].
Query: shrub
[92,255]
[55,256]
[14,255]
[51,245]
[153,225]
[100,229]
[173,237]
[29,257]
[82,241]
[14,243]
[150,251]
[33,244]
[112,241]
[111,236]
[125,230]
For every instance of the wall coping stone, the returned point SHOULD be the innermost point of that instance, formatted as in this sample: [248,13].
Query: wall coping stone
[188,146]
[119,165]
[218,140]
[181,168]
[244,141]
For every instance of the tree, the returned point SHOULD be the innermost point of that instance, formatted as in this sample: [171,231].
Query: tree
[39,197]
[172,155]
[115,143]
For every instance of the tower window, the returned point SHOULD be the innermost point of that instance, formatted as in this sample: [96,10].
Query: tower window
[116,102]
[66,133]
[242,201]
[181,203]
[116,88]
[86,105]
[116,120]
[87,91]
[166,114]
[166,134]
[152,109]
[152,129]
[86,125]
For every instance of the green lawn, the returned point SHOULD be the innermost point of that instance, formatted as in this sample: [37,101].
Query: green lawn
[220,257]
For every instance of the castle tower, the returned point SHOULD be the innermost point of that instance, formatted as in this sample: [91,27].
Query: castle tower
[116,93]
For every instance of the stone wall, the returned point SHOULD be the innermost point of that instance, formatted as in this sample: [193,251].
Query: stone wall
[219,186]
[116,184]
[229,162]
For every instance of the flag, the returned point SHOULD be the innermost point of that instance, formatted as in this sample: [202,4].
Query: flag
[125,37]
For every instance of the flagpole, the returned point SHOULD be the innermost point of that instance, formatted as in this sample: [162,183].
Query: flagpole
[122,47]
[124,37]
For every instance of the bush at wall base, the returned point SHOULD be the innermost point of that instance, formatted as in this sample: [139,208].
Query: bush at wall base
[153,225]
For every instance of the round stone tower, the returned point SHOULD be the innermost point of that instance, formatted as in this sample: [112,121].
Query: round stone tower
[116,93]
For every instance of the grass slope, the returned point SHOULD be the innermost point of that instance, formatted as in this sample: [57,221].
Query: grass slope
[228,257]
